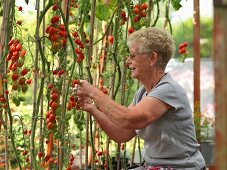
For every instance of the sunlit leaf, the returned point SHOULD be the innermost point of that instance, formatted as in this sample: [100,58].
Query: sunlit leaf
[1,9]
[176,4]
[103,12]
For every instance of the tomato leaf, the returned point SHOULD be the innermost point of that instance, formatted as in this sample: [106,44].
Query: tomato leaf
[1,8]
[176,4]
[103,12]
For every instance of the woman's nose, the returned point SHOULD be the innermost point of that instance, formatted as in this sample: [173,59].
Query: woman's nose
[128,60]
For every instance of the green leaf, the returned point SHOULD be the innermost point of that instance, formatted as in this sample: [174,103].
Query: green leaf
[1,9]
[176,4]
[111,2]
[103,12]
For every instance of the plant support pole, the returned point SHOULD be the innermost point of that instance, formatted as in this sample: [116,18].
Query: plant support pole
[220,69]
[196,54]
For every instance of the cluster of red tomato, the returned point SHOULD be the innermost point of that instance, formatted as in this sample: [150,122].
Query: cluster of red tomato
[183,48]
[80,46]
[72,104]
[139,11]
[98,154]
[16,58]
[20,8]
[56,32]
[72,4]
[25,155]
[71,159]
[54,103]
[123,17]
[3,104]
[47,160]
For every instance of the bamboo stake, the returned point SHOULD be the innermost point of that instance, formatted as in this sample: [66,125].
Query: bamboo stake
[41,148]
[150,9]
[3,46]
[35,104]
[65,11]
[133,151]
[88,62]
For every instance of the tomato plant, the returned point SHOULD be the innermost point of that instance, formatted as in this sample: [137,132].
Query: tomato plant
[42,70]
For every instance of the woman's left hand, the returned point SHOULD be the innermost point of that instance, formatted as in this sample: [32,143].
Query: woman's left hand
[85,103]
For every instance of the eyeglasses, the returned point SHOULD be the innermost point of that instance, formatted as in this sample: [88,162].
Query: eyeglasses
[131,56]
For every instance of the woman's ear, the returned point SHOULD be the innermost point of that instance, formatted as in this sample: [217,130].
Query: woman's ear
[153,58]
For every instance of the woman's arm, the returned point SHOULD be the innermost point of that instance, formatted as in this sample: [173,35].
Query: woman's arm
[148,110]
[114,131]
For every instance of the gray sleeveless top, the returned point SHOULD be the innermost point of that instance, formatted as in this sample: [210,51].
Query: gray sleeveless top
[171,140]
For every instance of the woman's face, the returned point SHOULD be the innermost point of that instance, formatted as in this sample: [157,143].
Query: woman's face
[138,63]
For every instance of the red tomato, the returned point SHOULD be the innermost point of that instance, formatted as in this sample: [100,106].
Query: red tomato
[130,30]
[54,106]
[52,118]
[54,96]
[50,126]
[77,41]
[24,72]
[123,14]
[18,47]
[40,155]
[28,81]
[20,8]
[22,53]
[55,7]
[111,39]
[77,51]
[19,22]
[50,86]
[144,6]
[136,10]
[75,34]
[10,42]
[15,76]
[25,153]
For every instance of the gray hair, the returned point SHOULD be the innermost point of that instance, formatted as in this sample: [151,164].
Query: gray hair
[154,40]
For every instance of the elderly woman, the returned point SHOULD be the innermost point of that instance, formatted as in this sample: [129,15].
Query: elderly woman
[160,113]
